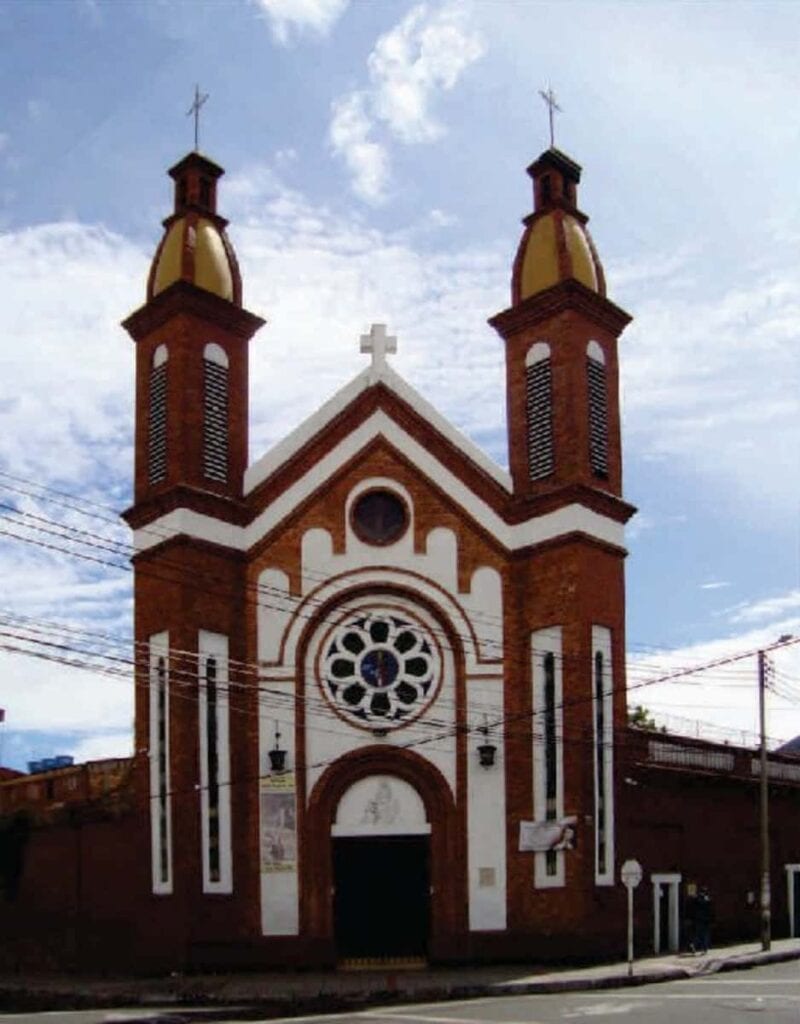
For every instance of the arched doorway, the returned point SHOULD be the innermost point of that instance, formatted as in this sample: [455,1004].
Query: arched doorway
[381,870]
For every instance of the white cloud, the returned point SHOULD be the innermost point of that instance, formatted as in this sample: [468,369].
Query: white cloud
[99,747]
[298,16]
[366,159]
[720,703]
[711,382]
[421,57]
[714,585]
[4,139]
[768,608]
[42,696]
[424,54]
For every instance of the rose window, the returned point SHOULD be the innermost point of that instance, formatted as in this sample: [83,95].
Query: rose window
[380,669]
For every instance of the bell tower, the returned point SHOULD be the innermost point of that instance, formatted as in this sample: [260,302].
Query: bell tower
[191,339]
[562,396]
[560,333]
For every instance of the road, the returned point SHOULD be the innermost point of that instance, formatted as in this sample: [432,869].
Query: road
[772,990]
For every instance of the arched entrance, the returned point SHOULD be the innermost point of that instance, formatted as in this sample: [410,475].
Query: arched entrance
[381,870]
[428,819]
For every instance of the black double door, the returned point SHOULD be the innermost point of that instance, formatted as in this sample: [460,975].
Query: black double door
[382,896]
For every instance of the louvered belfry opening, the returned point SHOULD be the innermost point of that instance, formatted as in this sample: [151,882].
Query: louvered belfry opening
[598,417]
[157,424]
[215,421]
[539,408]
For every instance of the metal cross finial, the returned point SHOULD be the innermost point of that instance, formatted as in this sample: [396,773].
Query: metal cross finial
[195,109]
[550,99]
[378,343]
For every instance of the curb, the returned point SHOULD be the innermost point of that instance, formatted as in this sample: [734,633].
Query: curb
[187,1002]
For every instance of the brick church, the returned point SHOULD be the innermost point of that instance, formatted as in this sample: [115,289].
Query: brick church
[381,706]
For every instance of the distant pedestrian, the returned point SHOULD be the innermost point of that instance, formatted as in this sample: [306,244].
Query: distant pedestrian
[703,917]
[690,916]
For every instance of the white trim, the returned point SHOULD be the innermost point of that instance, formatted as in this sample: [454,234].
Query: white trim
[343,831]
[673,881]
[792,872]
[159,648]
[486,808]
[601,644]
[537,353]
[317,422]
[160,356]
[594,351]
[381,578]
[280,890]
[215,353]
[571,518]
[215,645]
[544,642]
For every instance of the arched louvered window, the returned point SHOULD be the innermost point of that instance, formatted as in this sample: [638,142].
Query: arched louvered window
[215,413]
[539,411]
[598,409]
[157,418]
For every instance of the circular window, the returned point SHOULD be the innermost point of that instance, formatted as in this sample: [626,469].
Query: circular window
[379,517]
[379,669]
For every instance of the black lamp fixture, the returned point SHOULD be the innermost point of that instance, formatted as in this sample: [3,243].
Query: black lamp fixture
[486,750]
[277,757]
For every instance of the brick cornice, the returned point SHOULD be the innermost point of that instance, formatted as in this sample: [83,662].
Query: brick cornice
[184,540]
[566,296]
[184,297]
[216,506]
[605,504]
[566,540]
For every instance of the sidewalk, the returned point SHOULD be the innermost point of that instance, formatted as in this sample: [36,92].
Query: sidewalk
[274,994]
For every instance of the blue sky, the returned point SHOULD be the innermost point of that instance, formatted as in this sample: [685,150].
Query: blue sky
[375,156]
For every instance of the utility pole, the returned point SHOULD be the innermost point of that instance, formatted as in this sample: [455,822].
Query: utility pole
[766,899]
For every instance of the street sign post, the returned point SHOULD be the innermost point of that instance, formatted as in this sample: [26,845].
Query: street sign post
[631,875]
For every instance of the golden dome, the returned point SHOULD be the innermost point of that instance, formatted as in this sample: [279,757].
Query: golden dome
[556,246]
[194,249]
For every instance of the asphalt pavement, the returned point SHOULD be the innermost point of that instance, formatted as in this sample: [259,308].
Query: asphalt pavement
[274,994]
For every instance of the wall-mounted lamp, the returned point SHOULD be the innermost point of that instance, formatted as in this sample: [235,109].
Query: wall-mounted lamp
[277,757]
[486,751]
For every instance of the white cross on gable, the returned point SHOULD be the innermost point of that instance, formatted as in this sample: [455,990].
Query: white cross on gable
[378,343]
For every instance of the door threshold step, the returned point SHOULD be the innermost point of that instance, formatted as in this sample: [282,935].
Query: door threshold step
[383,963]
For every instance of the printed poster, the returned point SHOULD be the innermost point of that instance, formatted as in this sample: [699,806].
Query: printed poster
[278,823]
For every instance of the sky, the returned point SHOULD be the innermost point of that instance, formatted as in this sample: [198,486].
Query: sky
[375,155]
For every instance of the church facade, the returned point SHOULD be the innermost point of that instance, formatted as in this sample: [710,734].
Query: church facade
[380,702]
[373,654]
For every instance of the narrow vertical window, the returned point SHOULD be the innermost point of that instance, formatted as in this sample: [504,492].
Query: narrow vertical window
[598,410]
[602,706]
[157,418]
[548,754]
[539,411]
[212,759]
[160,804]
[215,805]
[215,413]
[600,763]
[550,751]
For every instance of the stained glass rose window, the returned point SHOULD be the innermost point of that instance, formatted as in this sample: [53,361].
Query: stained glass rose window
[380,669]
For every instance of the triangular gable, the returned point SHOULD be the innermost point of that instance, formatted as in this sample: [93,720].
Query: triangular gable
[337,406]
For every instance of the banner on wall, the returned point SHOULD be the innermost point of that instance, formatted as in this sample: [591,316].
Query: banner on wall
[278,823]
[541,836]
